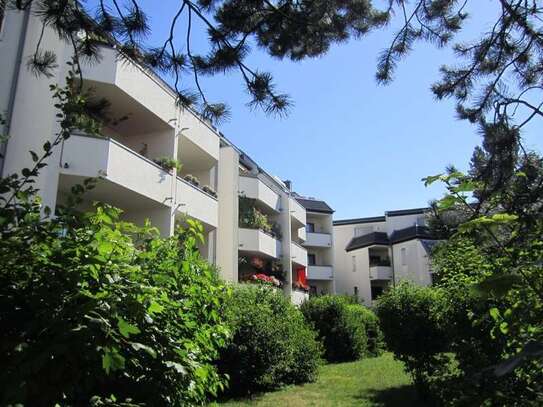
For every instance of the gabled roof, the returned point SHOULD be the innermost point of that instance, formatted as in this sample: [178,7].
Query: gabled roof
[374,238]
[359,220]
[313,205]
[410,233]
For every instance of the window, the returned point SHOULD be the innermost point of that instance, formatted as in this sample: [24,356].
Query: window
[354,264]
[403,256]
[310,227]
[311,259]
[356,292]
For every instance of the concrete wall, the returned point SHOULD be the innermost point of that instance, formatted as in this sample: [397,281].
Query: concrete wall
[227,233]
[413,265]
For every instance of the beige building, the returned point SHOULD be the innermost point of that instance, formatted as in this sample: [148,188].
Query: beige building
[254,224]
[372,254]
[319,243]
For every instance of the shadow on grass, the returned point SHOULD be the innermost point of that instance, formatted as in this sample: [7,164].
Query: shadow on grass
[402,396]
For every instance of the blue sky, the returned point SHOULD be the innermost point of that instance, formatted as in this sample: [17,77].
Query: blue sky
[361,147]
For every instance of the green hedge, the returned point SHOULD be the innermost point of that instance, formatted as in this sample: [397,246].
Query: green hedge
[95,310]
[347,330]
[271,345]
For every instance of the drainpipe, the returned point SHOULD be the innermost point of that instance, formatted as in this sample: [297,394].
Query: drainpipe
[14,82]
[392,264]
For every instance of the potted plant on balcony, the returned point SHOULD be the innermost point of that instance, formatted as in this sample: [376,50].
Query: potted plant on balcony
[276,230]
[168,164]
[209,190]
[193,180]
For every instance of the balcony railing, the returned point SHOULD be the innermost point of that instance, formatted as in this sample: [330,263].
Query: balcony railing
[256,241]
[298,254]
[88,156]
[315,272]
[318,239]
[297,213]
[252,187]
[381,273]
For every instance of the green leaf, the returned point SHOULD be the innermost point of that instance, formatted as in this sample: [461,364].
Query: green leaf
[141,346]
[179,368]
[495,314]
[155,308]
[497,285]
[431,179]
[126,329]
[112,360]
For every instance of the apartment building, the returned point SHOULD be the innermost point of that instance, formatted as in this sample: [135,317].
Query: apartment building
[255,227]
[319,242]
[372,254]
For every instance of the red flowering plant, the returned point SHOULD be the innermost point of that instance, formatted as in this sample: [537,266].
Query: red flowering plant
[263,278]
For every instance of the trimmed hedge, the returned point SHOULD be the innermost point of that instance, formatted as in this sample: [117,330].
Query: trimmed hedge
[347,330]
[271,344]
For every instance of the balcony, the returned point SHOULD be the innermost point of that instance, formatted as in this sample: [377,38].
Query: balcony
[257,242]
[298,254]
[380,273]
[252,187]
[318,239]
[84,156]
[196,203]
[132,91]
[320,272]
[297,213]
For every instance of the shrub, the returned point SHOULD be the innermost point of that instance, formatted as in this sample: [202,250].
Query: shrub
[340,327]
[374,334]
[271,344]
[93,307]
[410,318]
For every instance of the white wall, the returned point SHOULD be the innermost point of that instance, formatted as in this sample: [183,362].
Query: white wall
[415,268]
[227,234]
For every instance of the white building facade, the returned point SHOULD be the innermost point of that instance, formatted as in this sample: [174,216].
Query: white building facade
[216,184]
[373,254]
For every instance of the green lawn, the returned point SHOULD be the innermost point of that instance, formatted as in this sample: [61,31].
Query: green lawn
[370,382]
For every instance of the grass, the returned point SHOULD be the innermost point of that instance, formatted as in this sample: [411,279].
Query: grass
[370,382]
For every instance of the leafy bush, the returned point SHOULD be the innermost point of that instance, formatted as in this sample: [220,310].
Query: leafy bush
[340,327]
[93,307]
[374,334]
[272,345]
[410,319]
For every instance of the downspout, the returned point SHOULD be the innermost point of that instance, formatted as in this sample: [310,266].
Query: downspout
[392,264]
[14,83]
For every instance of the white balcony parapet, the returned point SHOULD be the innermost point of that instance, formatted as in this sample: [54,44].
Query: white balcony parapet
[256,241]
[297,212]
[298,254]
[140,84]
[302,234]
[380,273]
[196,203]
[87,156]
[318,239]
[298,297]
[200,133]
[254,188]
[320,272]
